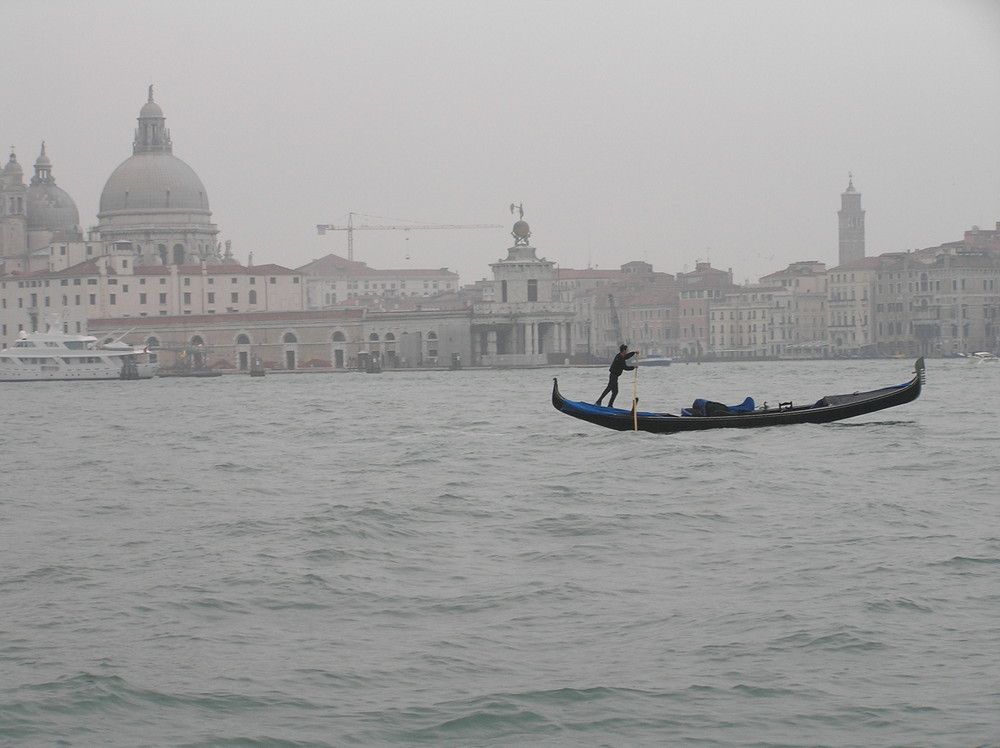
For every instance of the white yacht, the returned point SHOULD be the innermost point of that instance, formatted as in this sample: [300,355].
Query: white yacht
[54,355]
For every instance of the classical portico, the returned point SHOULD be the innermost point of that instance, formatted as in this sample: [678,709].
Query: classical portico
[524,323]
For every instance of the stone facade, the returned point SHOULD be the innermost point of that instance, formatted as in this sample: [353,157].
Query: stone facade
[112,285]
[526,323]
[302,340]
[334,281]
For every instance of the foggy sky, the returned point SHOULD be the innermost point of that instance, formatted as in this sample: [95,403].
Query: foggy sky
[663,131]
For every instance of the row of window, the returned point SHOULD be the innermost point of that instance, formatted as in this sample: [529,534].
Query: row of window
[234,298]
[733,314]
[39,361]
[142,281]
[924,285]
[290,337]
[388,286]
[702,293]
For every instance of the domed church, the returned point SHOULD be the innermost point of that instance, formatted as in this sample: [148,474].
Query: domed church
[34,215]
[157,202]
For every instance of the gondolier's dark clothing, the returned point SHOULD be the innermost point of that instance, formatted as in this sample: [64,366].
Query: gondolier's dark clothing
[618,365]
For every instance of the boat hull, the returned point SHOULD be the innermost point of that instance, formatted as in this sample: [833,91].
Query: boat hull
[825,410]
[145,371]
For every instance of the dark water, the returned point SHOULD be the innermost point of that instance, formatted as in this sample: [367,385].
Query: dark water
[443,559]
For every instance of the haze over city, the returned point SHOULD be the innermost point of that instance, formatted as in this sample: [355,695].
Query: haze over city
[660,131]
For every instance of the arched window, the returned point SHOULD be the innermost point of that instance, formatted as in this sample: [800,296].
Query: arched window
[161,250]
[253,297]
[290,338]
[242,339]
[197,340]
[390,336]
[432,336]
[178,254]
[338,337]
[373,337]
[152,342]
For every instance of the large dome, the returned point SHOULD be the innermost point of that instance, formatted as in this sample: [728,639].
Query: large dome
[155,181]
[156,202]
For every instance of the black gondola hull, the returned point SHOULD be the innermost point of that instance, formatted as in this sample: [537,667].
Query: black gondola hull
[826,410]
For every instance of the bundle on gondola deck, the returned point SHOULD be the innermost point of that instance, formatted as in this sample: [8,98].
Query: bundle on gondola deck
[705,414]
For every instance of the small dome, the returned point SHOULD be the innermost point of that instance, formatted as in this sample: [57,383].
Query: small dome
[51,208]
[150,109]
[12,166]
[152,182]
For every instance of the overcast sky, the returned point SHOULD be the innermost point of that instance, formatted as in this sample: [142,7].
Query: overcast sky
[665,131]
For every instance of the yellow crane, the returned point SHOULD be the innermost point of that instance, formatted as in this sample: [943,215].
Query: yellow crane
[350,228]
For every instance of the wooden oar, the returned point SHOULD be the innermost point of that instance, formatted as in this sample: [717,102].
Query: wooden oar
[635,396]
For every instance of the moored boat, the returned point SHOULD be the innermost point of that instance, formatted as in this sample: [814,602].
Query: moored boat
[59,356]
[656,360]
[983,357]
[706,414]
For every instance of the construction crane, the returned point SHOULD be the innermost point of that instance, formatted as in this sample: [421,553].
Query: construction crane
[615,321]
[350,228]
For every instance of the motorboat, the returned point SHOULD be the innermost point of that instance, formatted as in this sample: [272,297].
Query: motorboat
[656,360]
[983,357]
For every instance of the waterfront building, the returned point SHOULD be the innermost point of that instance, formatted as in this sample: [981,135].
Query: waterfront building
[569,281]
[584,289]
[798,319]
[650,320]
[614,308]
[334,281]
[111,285]
[302,340]
[939,301]
[526,323]
[697,290]
[740,322]
[850,305]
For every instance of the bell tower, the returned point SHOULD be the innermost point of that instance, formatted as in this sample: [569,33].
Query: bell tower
[851,221]
[13,214]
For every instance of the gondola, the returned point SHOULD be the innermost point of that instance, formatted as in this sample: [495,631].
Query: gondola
[710,415]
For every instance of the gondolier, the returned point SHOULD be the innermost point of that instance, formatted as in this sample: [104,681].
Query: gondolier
[618,365]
